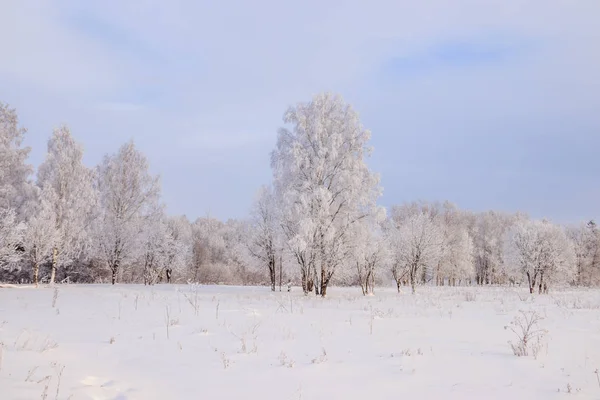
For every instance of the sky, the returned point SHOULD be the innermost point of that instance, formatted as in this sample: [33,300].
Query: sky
[490,104]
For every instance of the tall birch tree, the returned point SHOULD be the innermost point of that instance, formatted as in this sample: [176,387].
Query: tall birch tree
[323,183]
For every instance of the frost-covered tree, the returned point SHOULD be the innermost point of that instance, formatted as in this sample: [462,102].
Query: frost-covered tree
[128,196]
[369,252]
[15,187]
[166,247]
[208,250]
[153,243]
[178,241]
[398,268]
[488,231]
[542,252]
[242,264]
[262,243]
[586,242]
[41,233]
[73,198]
[416,243]
[456,261]
[11,236]
[323,184]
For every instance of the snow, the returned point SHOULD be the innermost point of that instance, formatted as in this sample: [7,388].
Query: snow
[246,342]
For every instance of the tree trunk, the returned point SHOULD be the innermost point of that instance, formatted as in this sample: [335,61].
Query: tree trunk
[36,273]
[280,271]
[412,281]
[272,272]
[323,283]
[114,269]
[168,273]
[531,282]
[304,282]
[54,261]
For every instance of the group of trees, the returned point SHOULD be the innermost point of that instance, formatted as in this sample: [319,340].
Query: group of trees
[317,223]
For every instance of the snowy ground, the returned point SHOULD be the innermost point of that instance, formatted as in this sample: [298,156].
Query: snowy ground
[188,342]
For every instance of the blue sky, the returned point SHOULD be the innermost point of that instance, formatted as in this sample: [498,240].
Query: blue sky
[489,104]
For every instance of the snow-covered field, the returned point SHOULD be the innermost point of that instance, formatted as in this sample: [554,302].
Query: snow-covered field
[215,342]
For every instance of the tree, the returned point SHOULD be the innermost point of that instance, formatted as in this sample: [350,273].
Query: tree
[263,241]
[178,245]
[586,242]
[488,231]
[369,251]
[208,250]
[11,236]
[15,187]
[154,242]
[323,184]
[72,197]
[417,244]
[237,234]
[456,260]
[41,234]
[128,198]
[542,252]
[592,273]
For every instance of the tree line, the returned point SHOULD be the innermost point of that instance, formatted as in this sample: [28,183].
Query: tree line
[318,223]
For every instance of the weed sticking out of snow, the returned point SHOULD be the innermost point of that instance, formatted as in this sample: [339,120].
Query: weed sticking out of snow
[321,358]
[529,334]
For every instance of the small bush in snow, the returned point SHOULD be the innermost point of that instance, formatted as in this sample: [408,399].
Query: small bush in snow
[528,332]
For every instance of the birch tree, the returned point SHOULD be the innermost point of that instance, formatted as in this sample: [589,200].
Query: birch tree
[11,236]
[178,246]
[542,252]
[128,198]
[208,250]
[41,234]
[456,262]
[370,251]
[263,241]
[73,198]
[15,187]
[323,183]
[417,244]
[586,241]
[154,243]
